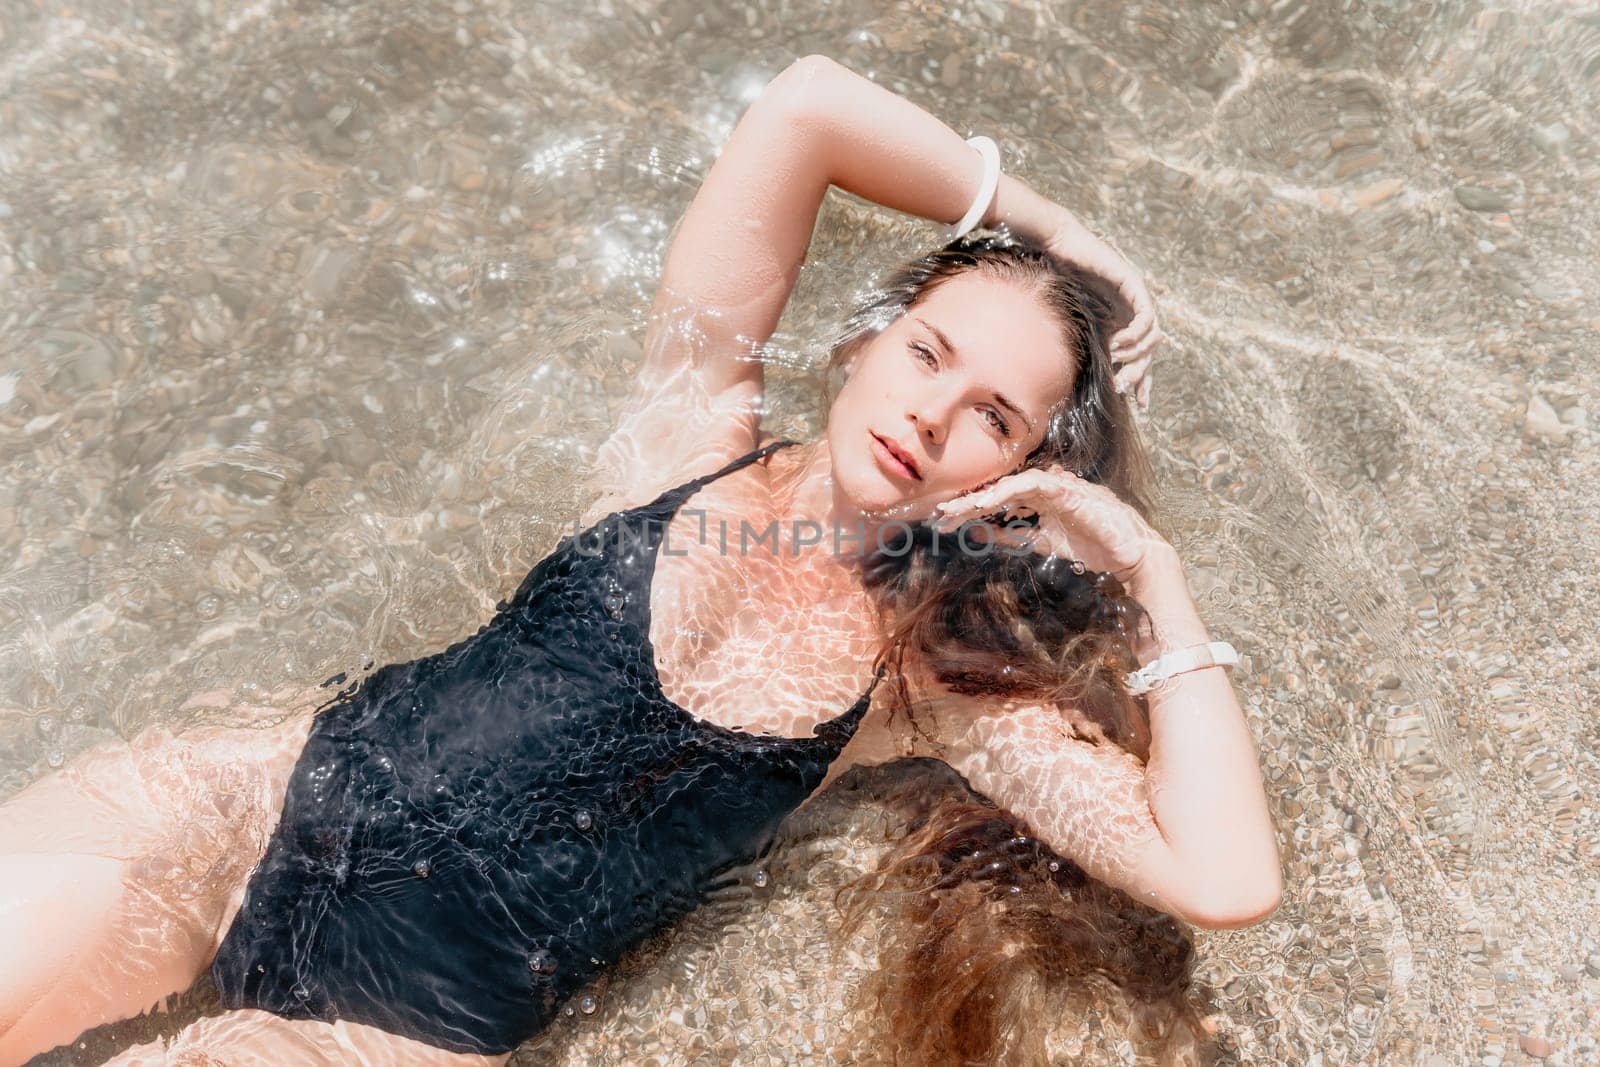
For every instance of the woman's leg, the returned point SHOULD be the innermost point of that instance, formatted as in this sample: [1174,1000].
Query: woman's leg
[120,873]
[259,1039]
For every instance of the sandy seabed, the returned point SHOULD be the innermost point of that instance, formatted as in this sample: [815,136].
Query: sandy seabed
[308,313]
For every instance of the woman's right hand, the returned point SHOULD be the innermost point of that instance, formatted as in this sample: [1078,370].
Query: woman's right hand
[1133,344]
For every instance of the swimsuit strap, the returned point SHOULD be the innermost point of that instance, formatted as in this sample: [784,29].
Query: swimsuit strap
[675,497]
[839,730]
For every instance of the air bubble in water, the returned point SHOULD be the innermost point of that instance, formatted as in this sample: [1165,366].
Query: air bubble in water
[588,1004]
[613,603]
[583,819]
[760,878]
[420,868]
[47,725]
[56,757]
[208,607]
[542,962]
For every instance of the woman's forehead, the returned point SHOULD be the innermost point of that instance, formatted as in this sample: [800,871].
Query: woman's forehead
[1002,329]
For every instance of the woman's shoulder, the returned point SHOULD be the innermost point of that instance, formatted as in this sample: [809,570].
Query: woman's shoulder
[638,463]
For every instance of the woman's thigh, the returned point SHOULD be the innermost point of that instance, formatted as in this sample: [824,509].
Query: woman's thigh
[259,1039]
[120,872]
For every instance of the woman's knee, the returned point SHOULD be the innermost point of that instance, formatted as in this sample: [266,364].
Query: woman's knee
[49,906]
[252,1038]
[83,948]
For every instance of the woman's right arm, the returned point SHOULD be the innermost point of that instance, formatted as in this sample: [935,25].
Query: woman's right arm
[883,147]
[737,253]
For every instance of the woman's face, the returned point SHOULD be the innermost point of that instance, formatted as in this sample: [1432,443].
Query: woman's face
[961,385]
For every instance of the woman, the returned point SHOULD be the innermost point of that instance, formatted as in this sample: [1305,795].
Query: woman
[426,870]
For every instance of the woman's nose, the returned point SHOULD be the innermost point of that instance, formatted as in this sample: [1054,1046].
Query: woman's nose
[927,417]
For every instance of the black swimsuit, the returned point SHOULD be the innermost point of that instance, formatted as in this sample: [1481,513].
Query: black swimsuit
[471,837]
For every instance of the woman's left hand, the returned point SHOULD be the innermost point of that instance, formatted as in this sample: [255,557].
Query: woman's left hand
[1133,346]
[1078,520]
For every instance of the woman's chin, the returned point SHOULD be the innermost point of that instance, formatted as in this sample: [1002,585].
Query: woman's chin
[872,492]
[884,502]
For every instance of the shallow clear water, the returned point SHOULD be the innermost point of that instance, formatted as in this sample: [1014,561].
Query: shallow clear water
[310,312]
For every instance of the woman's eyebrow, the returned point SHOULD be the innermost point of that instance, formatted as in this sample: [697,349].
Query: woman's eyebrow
[1001,398]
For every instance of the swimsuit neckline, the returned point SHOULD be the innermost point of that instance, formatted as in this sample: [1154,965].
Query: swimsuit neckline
[674,502]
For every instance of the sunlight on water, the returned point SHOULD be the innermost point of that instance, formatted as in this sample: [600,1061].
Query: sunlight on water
[311,313]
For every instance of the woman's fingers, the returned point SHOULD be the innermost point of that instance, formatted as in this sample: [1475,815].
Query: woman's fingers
[1114,277]
[1133,358]
[1133,376]
[1044,494]
[1009,489]
[1139,336]
[1143,322]
[1077,519]
[1017,538]
[949,517]
[1130,374]
[1144,346]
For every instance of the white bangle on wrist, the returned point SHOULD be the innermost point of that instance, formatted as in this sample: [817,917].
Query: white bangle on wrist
[1194,658]
[986,188]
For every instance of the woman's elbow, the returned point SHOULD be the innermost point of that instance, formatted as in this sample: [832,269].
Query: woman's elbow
[811,65]
[1236,907]
[799,84]
[807,88]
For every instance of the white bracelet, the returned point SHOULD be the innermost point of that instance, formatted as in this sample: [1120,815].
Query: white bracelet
[986,189]
[1215,654]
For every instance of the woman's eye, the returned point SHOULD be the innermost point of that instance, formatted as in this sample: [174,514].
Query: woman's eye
[924,354]
[997,422]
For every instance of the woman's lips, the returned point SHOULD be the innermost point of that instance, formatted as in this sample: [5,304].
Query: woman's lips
[889,459]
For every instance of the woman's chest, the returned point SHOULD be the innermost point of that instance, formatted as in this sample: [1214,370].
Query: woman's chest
[752,636]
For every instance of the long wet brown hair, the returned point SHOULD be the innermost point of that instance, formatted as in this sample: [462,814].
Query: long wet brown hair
[989,932]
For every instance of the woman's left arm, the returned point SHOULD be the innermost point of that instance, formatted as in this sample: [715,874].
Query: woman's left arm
[1203,776]
[1093,803]
[1202,781]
